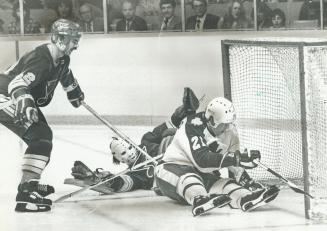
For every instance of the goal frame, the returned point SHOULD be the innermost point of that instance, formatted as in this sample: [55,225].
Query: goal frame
[225,45]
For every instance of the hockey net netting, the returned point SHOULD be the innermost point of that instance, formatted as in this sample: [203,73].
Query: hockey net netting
[266,89]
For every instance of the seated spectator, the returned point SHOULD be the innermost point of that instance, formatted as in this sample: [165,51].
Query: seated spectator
[130,22]
[263,15]
[30,26]
[63,9]
[201,20]
[88,22]
[235,17]
[169,20]
[310,10]
[1,26]
[278,19]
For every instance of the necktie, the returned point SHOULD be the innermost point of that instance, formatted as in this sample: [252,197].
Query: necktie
[165,24]
[198,22]
[128,25]
[88,27]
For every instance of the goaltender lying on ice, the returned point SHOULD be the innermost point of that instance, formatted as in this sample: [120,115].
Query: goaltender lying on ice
[195,146]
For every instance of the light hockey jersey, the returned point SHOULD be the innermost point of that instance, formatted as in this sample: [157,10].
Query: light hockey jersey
[194,145]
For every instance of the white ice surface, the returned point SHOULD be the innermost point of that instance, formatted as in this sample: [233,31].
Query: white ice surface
[139,210]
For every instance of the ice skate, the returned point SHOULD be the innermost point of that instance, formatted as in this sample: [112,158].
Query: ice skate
[29,198]
[203,204]
[259,198]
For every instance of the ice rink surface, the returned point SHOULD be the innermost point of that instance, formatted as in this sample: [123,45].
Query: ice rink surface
[139,210]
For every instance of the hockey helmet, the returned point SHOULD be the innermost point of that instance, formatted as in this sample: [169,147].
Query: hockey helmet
[219,113]
[63,31]
[122,151]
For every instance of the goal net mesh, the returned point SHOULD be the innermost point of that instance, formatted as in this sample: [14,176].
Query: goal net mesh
[266,91]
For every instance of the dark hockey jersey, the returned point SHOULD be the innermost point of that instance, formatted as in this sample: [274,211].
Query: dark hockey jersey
[37,72]
[143,178]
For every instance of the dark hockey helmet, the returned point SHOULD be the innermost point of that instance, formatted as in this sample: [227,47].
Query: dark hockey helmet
[63,31]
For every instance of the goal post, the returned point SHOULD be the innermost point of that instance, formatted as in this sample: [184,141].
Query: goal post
[279,90]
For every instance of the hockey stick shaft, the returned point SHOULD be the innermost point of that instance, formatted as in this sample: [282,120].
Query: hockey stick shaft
[294,187]
[69,195]
[115,130]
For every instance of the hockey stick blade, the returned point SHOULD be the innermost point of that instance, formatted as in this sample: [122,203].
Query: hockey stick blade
[69,195]
[294,187]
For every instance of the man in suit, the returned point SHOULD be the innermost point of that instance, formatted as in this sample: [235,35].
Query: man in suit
[131,22]
[88,22]
[201,20]
[169,20]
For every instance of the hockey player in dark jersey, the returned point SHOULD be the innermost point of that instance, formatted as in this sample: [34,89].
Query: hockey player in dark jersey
[203,144]
[153,142]
[141,178]
[25,87]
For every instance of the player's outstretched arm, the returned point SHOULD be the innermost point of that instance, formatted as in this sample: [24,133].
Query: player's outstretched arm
[74,92]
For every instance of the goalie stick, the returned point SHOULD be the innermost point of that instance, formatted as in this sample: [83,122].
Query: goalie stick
[62,198]
[149,159]
[294,187]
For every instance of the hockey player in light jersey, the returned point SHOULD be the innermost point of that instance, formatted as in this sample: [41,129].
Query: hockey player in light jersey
[24,88]
[203,144]
[153,142]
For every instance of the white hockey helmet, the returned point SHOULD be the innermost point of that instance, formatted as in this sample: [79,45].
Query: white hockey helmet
[122,151]
[219,113]
[63,32]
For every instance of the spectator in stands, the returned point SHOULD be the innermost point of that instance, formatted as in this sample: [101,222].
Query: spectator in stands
[63,9]
[310,10]
[278,19]
[1,26]
[30,25]
[88,22]
[263,15]
[169,20]
[201,20]
[130,22]
[235,17]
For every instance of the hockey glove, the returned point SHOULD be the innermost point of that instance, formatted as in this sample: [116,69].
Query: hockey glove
[76,95]
[81,172]
[246,159]
[190,101]
[25,107]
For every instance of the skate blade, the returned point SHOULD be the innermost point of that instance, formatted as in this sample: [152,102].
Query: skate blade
[211,204]
[30,207]
[261,202]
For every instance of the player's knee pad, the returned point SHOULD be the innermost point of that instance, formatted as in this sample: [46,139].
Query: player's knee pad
[187,181]
[222,185]
[40,147]
[38,131]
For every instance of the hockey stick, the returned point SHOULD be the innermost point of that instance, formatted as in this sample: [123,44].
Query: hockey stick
[289,183]
[62,198]
[115,130]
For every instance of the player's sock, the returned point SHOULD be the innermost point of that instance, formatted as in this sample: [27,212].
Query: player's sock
[202,204]
[29,199]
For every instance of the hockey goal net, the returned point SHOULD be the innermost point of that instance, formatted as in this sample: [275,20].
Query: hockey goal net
[279,89]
